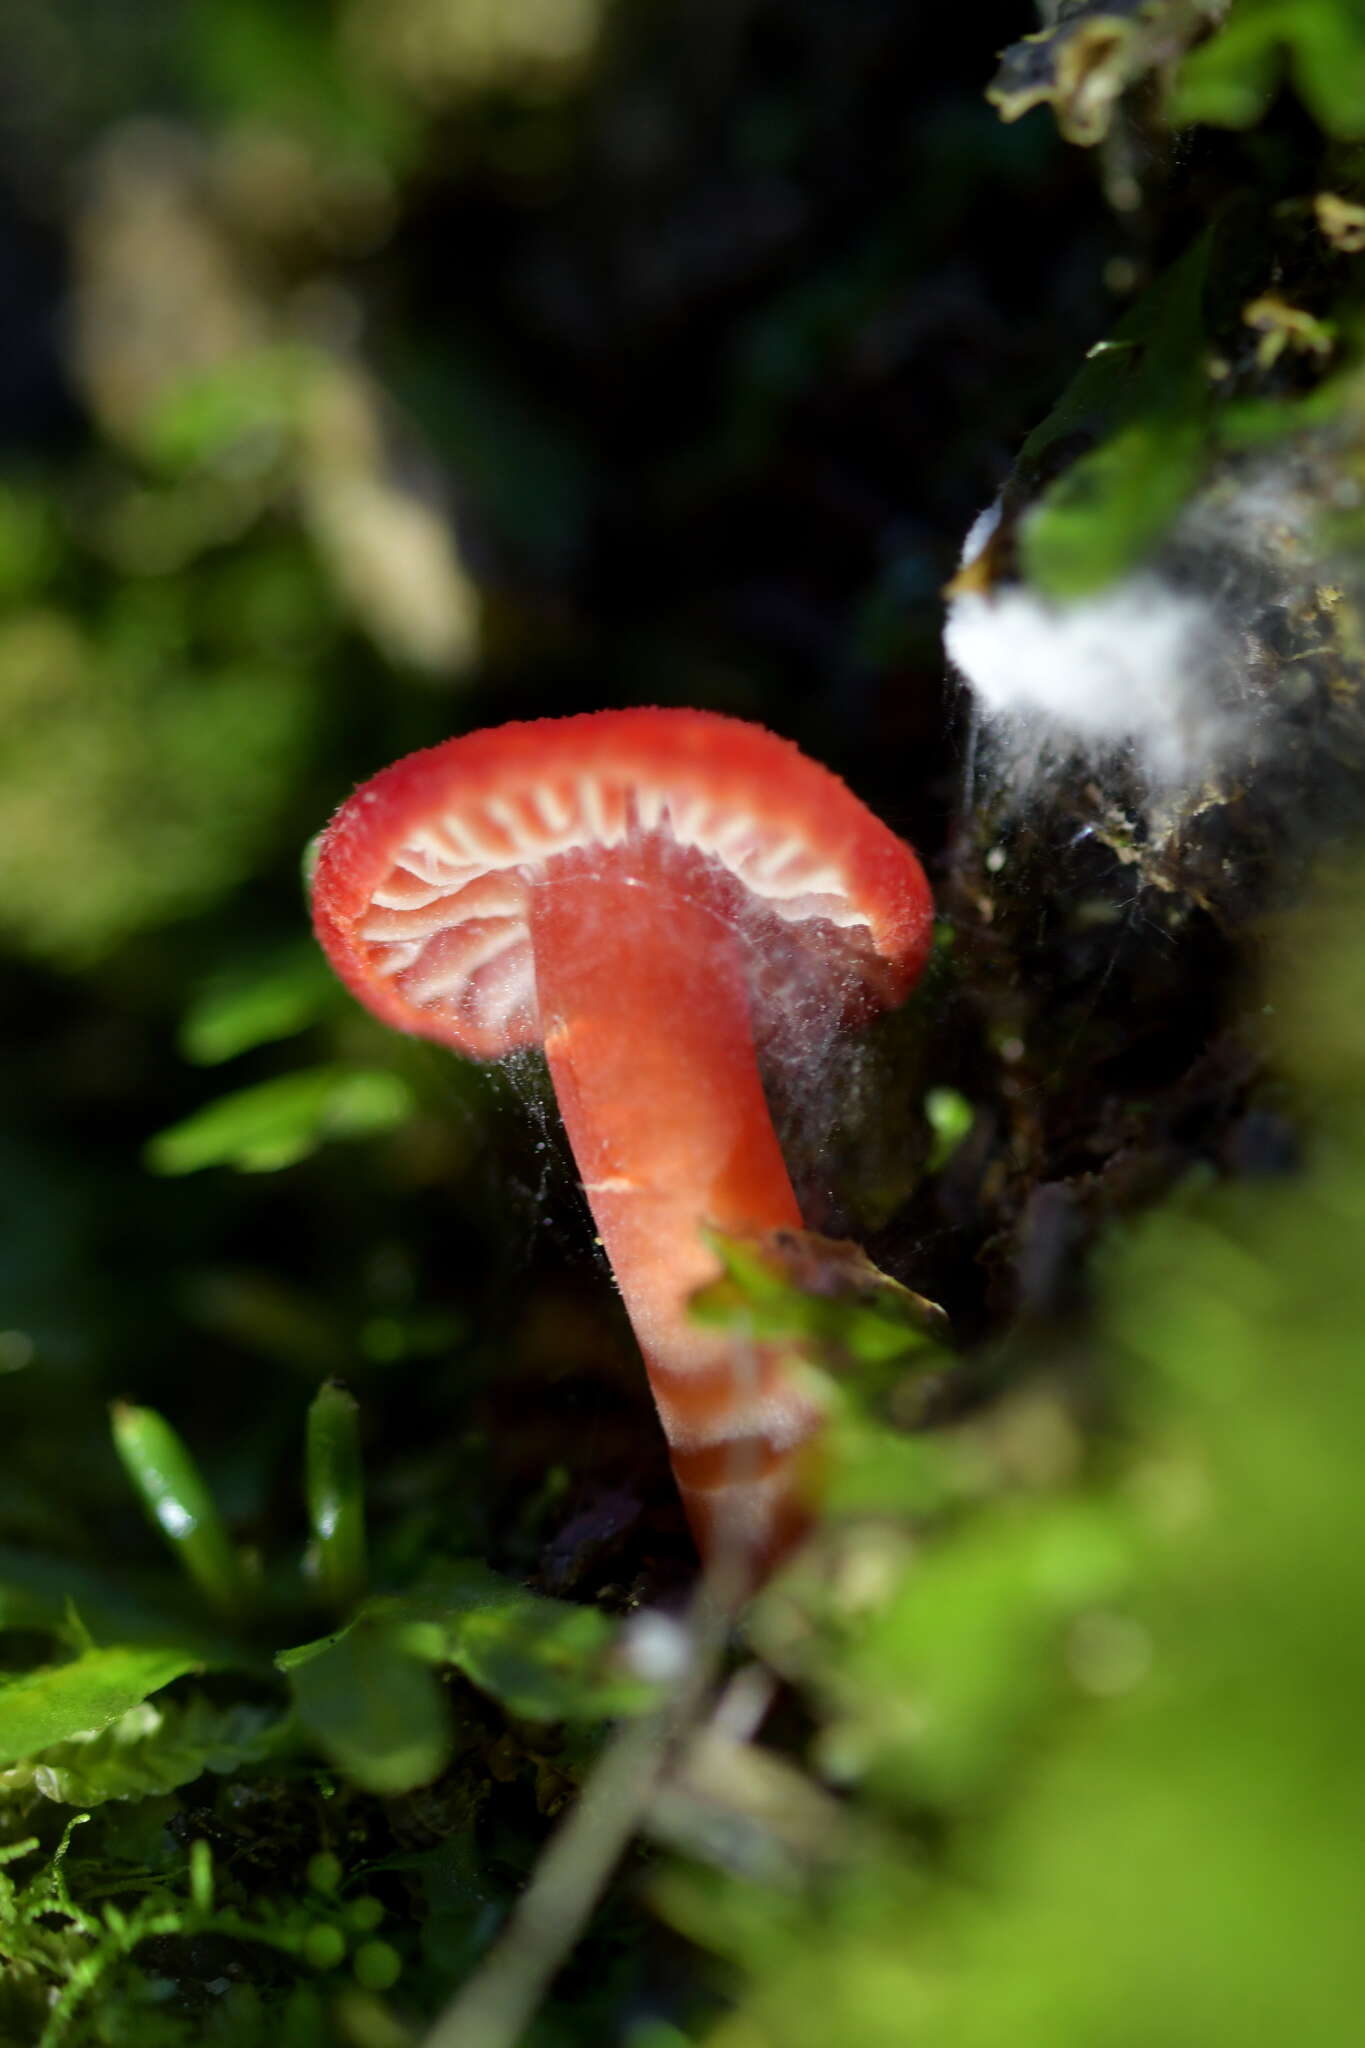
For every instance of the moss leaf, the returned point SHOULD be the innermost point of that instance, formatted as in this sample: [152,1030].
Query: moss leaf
[49,1706]
[279,1122]
[542,1659]
[256,1003]
[370,1697]
[150,1750]
[371,1706]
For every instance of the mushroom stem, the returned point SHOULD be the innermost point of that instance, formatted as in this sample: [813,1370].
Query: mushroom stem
[641,989]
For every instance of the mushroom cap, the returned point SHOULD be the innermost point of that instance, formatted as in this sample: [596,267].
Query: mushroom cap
[423,879]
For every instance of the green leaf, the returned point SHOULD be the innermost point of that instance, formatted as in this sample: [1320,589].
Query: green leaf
[255,1004]
[1340,398]
[279,1122]
[1148,387]
[150,1750]
[373,1707]
[1230,81]
[71,1699]
[802,1289]
[542,1659]
[369,1698]
[1110,507]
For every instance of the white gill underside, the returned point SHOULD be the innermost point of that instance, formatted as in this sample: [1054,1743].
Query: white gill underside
[449,921]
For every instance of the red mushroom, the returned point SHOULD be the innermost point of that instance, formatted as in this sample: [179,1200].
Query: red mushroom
[634,890]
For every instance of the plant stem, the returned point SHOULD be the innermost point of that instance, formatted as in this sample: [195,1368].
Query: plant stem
[499,2001]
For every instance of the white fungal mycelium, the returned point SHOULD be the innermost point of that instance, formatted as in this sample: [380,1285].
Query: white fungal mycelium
[1160,669]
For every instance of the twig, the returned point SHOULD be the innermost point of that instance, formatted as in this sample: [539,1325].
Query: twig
[495,2006]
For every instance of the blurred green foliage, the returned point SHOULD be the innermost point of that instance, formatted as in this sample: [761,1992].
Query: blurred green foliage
[145,760]
[1126,1681]
[1231,79]
[242,1007]
[279,1122]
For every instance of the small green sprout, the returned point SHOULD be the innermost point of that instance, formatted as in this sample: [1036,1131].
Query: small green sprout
[950,1118]
[172,1490]
[336,1494]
